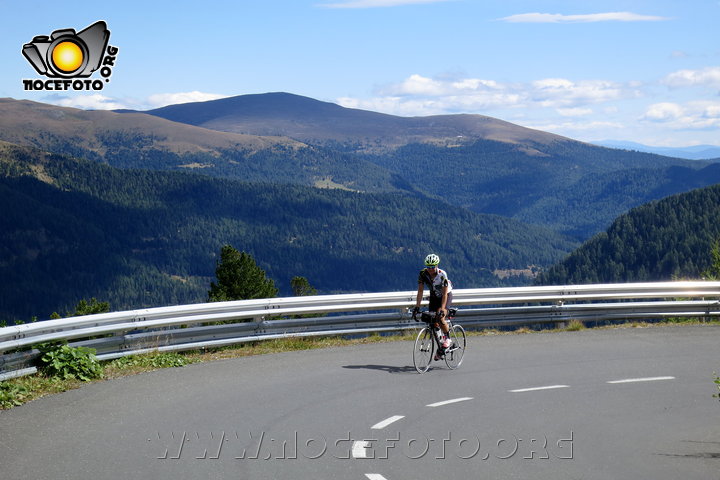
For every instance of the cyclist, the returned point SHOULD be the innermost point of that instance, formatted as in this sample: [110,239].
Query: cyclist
[440,288]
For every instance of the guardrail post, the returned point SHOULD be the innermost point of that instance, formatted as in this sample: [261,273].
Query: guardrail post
[557,311]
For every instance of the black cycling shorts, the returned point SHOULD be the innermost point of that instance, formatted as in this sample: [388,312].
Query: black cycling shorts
[436,302]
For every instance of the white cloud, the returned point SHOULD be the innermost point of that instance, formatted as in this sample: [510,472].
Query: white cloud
[419,95]
[679,54]
[589,18]
[563,93]
[396,105]
[375,3]
[475,84]
[663,112]
[88,102]
[696,115]
[574,112]
[567,127]
[712,110]
[419,85]
[707,77]
[101,102]
[163,99]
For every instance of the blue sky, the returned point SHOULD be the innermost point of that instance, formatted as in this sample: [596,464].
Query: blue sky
[644,70]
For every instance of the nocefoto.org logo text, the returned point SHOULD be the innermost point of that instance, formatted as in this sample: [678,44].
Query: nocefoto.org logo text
[67,58]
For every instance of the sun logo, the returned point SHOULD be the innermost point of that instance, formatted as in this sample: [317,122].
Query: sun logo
[67,54]
[67,57]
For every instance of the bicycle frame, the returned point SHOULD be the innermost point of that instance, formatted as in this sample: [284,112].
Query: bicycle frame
[427,343]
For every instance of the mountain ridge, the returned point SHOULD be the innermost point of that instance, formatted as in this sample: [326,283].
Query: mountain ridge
[694,152]
[500,168]
[306,119]
[138,140]
[20,118]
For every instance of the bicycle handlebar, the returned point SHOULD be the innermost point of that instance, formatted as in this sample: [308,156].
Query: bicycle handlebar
[429,316]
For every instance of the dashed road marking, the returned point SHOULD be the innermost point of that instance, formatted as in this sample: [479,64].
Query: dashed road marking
[386,422]
[535,389]
[448,402]
[359,449]
[647,379]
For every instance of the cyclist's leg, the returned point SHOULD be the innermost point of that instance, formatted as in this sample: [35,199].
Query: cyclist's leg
[443,324]
[434,305]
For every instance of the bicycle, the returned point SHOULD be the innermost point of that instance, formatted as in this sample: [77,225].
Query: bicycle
[427,341]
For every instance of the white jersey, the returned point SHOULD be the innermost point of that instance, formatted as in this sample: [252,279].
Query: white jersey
[437,284]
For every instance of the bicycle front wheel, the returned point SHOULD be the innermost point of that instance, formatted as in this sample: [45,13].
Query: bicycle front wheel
[454,355]
[423,351]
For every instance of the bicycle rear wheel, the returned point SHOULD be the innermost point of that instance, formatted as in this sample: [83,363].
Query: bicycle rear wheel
[454,355]
[423,351]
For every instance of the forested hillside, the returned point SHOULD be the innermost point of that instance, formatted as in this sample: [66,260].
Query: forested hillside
[663,240]
[76,229]
[571,187]
[470,161]
[473,161]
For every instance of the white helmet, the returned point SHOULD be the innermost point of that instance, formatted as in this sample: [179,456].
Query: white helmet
[432,260]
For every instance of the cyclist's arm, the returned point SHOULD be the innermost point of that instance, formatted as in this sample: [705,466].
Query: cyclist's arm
[418,300]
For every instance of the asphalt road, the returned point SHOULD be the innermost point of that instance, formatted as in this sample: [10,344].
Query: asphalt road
[520,406]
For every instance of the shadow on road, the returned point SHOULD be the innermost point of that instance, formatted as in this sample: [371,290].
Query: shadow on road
[384,368]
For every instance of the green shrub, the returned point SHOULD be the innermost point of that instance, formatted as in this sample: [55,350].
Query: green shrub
[12,394]
[66,362]
[575,325]
[717,383]
[155,360]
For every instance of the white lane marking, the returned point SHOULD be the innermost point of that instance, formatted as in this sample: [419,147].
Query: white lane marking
[386,422]
[374,476]
[647,379]
[447,402]
[359,448]
[535,389]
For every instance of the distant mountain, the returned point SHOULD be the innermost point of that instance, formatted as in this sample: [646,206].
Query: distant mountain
[477,162]
[24,122]
[137,140]
[471,161]
[696,152]
[313,121]
[75,229]
[660,241]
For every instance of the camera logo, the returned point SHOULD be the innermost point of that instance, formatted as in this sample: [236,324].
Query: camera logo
[69,56]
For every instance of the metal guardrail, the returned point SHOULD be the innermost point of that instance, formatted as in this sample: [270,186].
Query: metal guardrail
[190,327]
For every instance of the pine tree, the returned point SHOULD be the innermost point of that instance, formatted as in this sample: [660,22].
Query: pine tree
[88,308]
[239,278]
[713,273]
[301,287]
